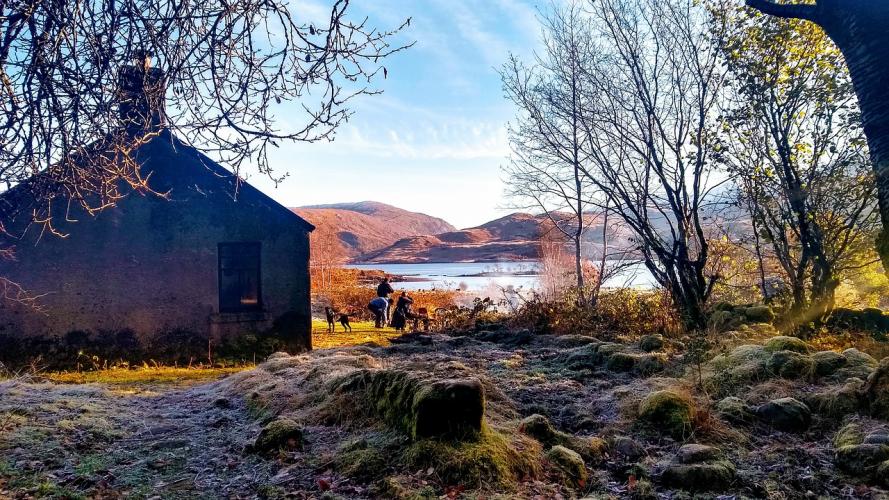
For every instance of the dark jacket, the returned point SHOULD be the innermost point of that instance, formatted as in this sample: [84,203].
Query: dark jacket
[384,289]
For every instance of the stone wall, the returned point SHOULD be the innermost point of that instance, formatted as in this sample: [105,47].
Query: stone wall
[151,264]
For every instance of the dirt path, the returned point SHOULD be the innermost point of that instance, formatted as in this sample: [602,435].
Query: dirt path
[104,441]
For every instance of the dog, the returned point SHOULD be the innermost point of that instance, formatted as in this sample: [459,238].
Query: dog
[331,325]
[344,320]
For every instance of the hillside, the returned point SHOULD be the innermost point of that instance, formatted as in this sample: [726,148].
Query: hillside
[513,237]
[367,226]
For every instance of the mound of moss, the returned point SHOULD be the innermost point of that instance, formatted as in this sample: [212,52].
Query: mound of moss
[570,464]
[784,343]
[492,459]
[735,410]
[838,401]
[699,468]
[591,449]
[651,343]
[281,434]
[828,362]
[668,411]
[791,365]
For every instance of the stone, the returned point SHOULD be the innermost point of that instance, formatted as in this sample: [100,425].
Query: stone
[876,390]
[699,477]
[419,407]
[627,448]
[570,464]
[651,343]
[449,409]
[880,436]
[697,453]
[538,427]
[668,411]
[828,362]
[861,459]
[734,410]
[837,402]
[791,365]
[759,314]
[281,434]
[785,414]
[784,343]
[882,474]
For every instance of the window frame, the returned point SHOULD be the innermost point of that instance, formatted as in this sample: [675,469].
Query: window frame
[259,306]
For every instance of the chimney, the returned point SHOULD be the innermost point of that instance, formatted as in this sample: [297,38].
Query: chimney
[141,95]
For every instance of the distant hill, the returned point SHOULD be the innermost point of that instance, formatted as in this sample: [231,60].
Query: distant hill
[513,237]
[366,226]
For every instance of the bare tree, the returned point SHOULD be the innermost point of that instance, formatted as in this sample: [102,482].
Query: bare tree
[651,135]
[548,143]
[798,153]
[76,76]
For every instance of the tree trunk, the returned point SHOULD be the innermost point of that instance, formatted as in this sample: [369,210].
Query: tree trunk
[860,28]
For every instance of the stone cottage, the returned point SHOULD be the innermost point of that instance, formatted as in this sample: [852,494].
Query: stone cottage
[209,259]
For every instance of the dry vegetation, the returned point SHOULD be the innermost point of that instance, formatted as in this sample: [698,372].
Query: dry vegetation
[615,415]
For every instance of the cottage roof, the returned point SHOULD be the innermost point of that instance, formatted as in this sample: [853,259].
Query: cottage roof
[211,174]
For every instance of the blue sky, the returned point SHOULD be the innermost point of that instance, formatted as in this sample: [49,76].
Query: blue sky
[435,140]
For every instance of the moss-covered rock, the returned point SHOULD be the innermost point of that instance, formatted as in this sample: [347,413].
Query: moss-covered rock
[784,343]
[828,362]
[741,366]
[882,474]
[699,477]
[861,459]
[445,409]
[621,362]
[837,402]
[697,453]
[570,464]
[281,434]
[876,390]
[735,411]
[651,343]
[791,365]
[725,320]
[759,314]
[668,411]
[627,448]
[785,414]
[540,428]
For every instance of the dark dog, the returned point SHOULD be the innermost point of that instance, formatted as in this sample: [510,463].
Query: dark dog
[330,323]
[344,320]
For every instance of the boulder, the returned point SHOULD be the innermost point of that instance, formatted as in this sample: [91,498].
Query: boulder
[734,410]
[651,343]
[281,434]
[698,453]
[627,448]
[417,406]
[879,436]
[861,459]
[837,402]
[785,414]
[791,365]
[699,477]
[668,411]
[449,409]
[539,427]
[876,390]
[759,314]
[828,362]
[883,474]
[570,464]
[784,343]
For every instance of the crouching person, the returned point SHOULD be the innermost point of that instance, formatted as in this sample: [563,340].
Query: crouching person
[378,307]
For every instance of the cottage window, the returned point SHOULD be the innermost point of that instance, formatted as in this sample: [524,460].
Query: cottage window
[239,277]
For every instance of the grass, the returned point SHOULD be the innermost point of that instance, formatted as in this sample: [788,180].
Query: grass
[362,333]
[165,375]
